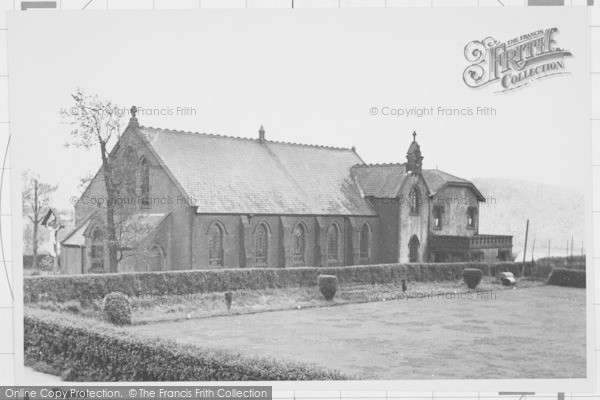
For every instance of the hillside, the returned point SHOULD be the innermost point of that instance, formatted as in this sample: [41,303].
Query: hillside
[555,214]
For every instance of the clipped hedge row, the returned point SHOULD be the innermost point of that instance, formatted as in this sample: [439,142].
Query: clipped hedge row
[567,277]
[167,283]
[575,262]
[103,353]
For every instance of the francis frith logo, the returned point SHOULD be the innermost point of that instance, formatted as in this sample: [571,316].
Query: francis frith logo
[516,62]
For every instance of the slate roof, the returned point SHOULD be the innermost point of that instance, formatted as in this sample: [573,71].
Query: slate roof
[137,227]
[380,180]
[385,180]
[75,236]
[436,180]
[230,175]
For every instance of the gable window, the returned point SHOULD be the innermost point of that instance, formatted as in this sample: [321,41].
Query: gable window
[333,237]
[414,200]
[97,250]
[130,181]
[365,236]
[299,243]
[145,182]
[215,246]
[471,217]
[438,212]
[262,245]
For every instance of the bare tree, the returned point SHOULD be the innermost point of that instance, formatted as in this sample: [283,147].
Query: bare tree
[84,181]
[97,124]
[133,230]
[36,198]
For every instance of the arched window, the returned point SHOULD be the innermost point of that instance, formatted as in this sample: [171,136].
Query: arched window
[145,182]
[413,249]
[156,258]
[97,250]
[365,237]
[130,157]
[333,237]
[215,245]
[129,173]
[299,244]
[261,245]
[414,200]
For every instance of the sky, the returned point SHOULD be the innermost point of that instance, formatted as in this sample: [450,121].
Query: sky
[308,76]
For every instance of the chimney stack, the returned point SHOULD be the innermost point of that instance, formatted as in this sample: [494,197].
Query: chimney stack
[261,135]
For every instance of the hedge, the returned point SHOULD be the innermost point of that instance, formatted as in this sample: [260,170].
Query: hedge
[567,277]
[168,283]
[575,262]
[103,353]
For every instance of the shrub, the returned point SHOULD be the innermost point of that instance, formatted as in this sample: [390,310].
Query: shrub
[103,353]
[117,308]
[328,285]
[46,263]
[472,277]
[567,277]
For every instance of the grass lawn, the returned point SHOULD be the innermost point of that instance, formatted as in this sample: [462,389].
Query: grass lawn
[534,332]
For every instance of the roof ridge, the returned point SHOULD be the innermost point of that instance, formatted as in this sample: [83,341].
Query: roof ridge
[309,145]
[380,165]
[448,177]
[77,227]
[246,138]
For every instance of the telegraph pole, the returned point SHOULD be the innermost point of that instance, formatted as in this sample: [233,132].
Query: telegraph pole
[571,248]
[525,249]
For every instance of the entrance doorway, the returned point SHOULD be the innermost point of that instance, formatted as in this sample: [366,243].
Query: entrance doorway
[413,249]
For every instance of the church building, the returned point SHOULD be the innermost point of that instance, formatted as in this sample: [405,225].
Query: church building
[209,201]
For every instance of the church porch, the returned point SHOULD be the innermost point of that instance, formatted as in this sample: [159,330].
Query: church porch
[478,248]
